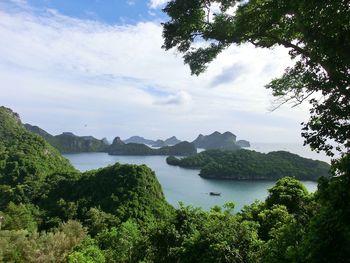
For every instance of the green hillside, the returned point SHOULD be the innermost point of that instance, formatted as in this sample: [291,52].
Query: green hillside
[28,163]
[67,142]
[52,213]
[33,172]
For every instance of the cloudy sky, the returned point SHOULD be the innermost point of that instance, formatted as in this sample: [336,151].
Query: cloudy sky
[96,67]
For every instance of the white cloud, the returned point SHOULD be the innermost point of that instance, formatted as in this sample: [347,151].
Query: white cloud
[180,98]
[154,4]
[62,73]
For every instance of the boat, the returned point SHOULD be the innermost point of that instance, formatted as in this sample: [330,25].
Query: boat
[215,193]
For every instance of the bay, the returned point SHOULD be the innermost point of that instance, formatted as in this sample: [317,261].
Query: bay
[184,185]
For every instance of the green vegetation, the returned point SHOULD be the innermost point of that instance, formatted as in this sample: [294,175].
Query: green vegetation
[52,213]
[120,148]
[107,196]
[118,214]
[316,33]
[68,142]
[28,164]
[317,36]
[251,165]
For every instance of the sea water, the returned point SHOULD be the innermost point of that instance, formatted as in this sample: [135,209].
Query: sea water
[186,186]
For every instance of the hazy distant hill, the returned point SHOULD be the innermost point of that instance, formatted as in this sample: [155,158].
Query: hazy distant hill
[216,140]
[168,142]
[172,141]
[68,142]
[139,139]
[243,143]
[38,130]
[118,147]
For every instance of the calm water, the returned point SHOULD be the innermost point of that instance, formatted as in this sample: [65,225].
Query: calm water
[184,185]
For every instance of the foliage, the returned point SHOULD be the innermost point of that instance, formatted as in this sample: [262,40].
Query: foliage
[17,217]
[288,192]
[121,244]
[245,164]
[26,162]
[328,235]
[87,252]
[316,33]
[123,208]
[54,246]
[182,149]
[197,236]
[105,197]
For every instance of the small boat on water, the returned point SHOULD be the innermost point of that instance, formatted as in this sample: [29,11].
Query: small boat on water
[215,193]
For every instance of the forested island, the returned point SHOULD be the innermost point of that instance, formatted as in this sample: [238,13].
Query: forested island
[118,147]
[155,143]
[50,212]
[217,140]
[68,142]
[252,165]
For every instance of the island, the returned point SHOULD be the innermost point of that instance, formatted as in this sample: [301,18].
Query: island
[168,142]
[67,142]
[251,165]
[118,147]
[243,143]
[139,140]
[217,140]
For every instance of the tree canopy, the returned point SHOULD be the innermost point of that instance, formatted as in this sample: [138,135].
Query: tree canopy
[316,33]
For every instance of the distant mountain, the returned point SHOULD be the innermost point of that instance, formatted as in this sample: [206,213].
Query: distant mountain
[38,130]
[159,143]
[68,142]
[118,147]
[105,141]
[168,142]
[172,141]
[139,139]
[216,140]
[243,143]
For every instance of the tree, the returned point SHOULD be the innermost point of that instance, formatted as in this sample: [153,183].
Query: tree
[121,244]
[288,192]
[317,34]
[328,235]
[87,252]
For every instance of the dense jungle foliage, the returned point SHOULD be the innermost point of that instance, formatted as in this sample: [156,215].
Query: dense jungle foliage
[251,165]
[52,213]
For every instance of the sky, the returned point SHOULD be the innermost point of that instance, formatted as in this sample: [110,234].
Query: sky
[96,67]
